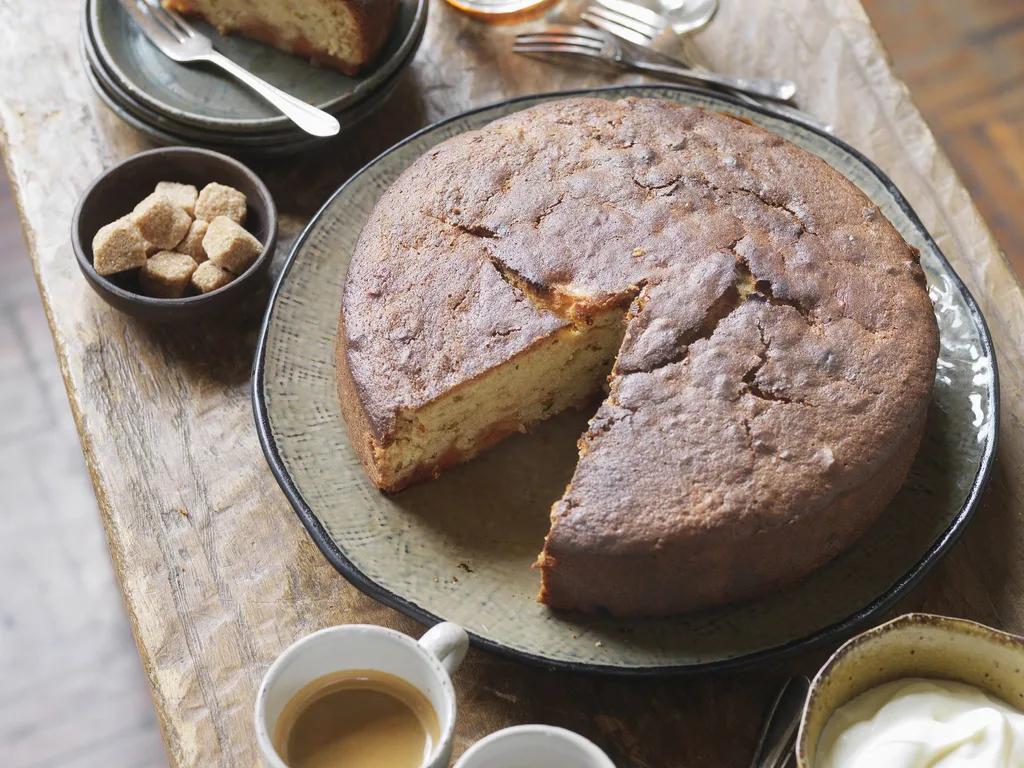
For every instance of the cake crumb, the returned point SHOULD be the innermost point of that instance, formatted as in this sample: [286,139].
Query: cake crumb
[598,644]
[638,252]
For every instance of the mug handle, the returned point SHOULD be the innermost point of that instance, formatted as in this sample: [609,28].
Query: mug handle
[448,643]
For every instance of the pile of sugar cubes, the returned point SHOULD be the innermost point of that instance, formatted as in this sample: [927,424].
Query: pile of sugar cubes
[184,240]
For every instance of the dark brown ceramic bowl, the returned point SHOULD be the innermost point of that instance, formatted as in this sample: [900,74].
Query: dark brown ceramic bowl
[116,192]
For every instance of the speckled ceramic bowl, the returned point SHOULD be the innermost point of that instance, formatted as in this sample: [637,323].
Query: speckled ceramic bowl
[116,191]
[461,547]
[915,645]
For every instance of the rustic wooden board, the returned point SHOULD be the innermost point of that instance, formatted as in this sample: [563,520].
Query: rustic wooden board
[216,572]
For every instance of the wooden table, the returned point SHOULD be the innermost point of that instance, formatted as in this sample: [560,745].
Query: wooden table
[218,575]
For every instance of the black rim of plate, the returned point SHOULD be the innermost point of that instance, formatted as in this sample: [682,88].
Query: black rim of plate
[159,136]
[833,632]
[158,126]
[365,89]
[107,91]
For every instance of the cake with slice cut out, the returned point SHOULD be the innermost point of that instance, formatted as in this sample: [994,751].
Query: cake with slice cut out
[760,334]
[343,34]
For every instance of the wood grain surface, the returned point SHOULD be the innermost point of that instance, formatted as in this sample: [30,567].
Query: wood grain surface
[964,64]
[217,574]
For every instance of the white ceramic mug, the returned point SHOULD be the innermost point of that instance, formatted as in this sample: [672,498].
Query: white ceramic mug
[426,664]
[534,745]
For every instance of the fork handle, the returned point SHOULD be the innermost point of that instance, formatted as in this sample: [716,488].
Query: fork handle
[780,90]
[307,117]
[794,114]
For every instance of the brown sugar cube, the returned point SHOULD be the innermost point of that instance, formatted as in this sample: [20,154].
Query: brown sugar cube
[209,277]
[229,246]
[161,222]
[182,195]
[218,200]
[193,242]
[118,246]
[166,275]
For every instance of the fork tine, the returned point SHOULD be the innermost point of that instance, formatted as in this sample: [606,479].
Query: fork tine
[616,23]
[148,25]
[580,30]
[549,39]
[171,18]
[147,11]
[544,48]
[634,11]
[617,30]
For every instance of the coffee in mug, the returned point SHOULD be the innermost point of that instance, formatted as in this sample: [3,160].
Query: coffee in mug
[354,718]
[361,696]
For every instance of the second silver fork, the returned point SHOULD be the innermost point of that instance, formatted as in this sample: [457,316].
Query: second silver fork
[641,26]
[178,40]
[597,44]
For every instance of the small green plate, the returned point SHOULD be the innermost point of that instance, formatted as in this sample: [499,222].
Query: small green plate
[167,132]
[460,548]
[209,99]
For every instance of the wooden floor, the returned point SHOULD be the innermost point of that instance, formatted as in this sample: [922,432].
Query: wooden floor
[72,692]
[963,61]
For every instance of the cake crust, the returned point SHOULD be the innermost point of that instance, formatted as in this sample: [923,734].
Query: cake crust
[777,359]
[359,27]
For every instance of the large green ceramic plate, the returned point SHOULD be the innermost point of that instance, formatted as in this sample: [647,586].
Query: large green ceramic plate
[460,548]
[210,99]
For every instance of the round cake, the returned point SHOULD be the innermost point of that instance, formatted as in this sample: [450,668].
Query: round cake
[760,335]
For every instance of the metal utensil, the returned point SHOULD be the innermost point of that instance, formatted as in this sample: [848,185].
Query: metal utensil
[681,17]
[778,734]
[178,40]
[648,29]
[627,20]
[587,41]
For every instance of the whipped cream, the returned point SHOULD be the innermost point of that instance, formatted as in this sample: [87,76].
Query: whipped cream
[917,723]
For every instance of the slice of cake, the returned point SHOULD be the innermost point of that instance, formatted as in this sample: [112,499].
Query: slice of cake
[344,34]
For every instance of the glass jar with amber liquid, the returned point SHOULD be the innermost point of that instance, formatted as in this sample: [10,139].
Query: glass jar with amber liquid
[503,11]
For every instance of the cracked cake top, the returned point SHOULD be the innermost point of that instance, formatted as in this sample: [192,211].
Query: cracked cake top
[780,342]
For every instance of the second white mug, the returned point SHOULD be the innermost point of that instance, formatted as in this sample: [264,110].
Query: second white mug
[540,745]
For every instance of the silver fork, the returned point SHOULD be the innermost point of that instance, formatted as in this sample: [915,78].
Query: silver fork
[643,27]
[585,41]
[690,16]
[178,40]
[627,20]
[685,15]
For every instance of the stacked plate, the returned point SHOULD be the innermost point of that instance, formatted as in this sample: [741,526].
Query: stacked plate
[194,104]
